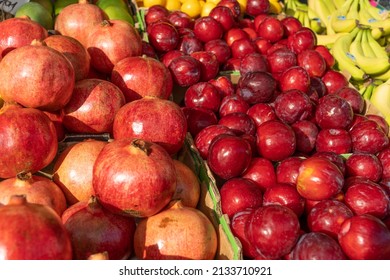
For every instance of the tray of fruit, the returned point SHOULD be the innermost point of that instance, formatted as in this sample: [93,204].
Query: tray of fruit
[280,109]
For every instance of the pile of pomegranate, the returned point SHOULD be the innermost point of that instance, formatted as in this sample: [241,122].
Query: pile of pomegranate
[302,168]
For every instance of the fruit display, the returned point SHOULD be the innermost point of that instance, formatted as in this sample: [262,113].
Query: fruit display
[227,124]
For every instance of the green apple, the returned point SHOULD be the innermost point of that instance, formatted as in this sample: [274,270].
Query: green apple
[48,4]
[60,4]
[37,13]
[103,4]
[115,12]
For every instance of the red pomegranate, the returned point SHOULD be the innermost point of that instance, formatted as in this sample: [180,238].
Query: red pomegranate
[134,177]
[111,41]
[36,189]
[140,76]
[43,237]
[74,51]
[27,77]
[176,233]
[18,32]
[153,119]
[76,20]
[92,107]
[28,140]
[94,229]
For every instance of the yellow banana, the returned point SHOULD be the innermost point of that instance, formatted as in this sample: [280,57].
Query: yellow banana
[340,21]
[366,47]
[340,51]
[323,11]
[382,77]
[316,26]
[275,7]
[353,11]
[370,65]
[338,3]
[374,12]
[306,20]
[327,40]
[380,99]
[377,49]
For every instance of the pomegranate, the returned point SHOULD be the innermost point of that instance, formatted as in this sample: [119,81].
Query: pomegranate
[18,32]
[72,169]
[28,140]
[94,229]
[153,119]
[27,77]
[194,235]
[140,76]
[92,107]
[74,51]
[187,185]
[43,237]
[76,20]
[36,189]
[111,41]
[56,117]
[134,177]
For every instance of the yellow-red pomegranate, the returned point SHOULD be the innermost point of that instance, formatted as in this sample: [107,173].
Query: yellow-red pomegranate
[37,189]
[188,185]
[72,169]
[76,20]
[178,232]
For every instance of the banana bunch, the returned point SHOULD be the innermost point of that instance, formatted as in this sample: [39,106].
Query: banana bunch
[380,99]
[323,10]
[304,14]
[339,16]
[344,19]
[377,19]
[359,56]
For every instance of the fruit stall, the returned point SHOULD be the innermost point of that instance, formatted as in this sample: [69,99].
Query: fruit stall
[195,130]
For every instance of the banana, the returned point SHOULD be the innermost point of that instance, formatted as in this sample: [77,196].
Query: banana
[370,65]
[275,7]
[316,26]
[312,13]
[306,19]
[338,3]
[290,7]
[363,16]
[366,47]
[377,49]
[329,29]
[340,20]
[380,99]
[322,10]
[382,77]
[353,10]
[340,51]
[327,40]
[368,91]
[374,12]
